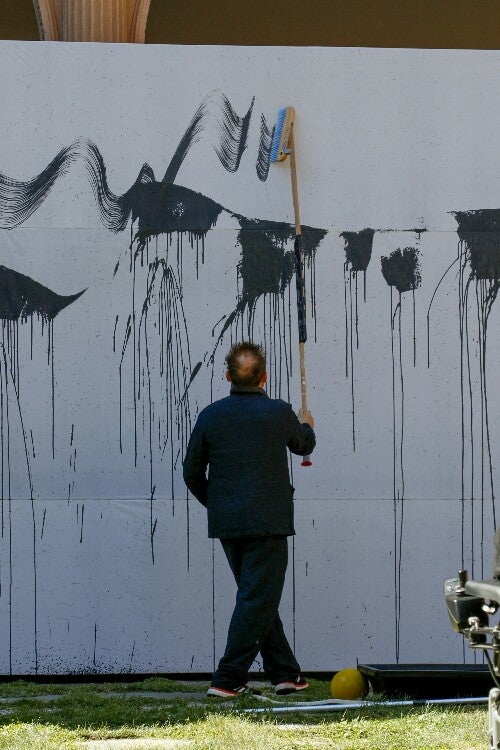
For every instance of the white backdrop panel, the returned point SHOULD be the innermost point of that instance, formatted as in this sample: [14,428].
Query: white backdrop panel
[122,285]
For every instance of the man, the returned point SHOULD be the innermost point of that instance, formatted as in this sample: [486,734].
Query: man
[243,438]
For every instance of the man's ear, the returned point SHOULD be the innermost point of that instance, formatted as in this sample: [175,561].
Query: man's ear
[228,377]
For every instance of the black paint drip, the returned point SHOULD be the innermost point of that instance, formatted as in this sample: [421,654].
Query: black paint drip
[479,263]
[265,147]
[22,297]
[265,272]
[10,406]
[163,209]
[358,252]
[401,270]
[156,329]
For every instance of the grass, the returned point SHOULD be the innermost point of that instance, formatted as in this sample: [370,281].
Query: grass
[89,713]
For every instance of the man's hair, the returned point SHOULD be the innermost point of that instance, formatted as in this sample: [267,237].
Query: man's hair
[246,363]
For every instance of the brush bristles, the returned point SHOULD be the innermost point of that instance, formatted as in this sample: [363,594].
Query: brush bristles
[281,133]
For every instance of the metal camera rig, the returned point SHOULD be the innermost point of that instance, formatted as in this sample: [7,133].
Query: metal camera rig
[470,606]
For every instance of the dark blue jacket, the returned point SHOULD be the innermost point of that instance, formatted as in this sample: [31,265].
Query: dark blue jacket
[244,440]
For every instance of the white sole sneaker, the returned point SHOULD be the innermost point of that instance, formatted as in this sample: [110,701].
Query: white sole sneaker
[219,692]
[293,686]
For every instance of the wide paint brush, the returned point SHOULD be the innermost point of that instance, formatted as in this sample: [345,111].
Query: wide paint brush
[283,146]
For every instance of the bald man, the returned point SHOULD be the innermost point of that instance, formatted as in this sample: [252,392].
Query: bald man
[244,438]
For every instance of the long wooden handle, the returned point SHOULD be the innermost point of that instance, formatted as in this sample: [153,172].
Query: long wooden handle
[306,460]
[295,187]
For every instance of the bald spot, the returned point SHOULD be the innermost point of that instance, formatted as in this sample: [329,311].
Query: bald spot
[246,362]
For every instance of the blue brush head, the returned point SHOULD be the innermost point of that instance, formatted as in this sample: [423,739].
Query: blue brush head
[278,131]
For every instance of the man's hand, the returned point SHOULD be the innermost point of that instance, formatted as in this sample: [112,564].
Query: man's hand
[306,417]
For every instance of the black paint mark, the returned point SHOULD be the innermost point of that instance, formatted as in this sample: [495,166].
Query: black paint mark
[21,297]
[358,252]
[265,271]
[19,200]
[131,658]
[9,392]
[156,209]
[81,523]
[479,264]
[72,462]
[114,334]
[194,373]
[265,146]
[157,331]
[401,270]
[231,130]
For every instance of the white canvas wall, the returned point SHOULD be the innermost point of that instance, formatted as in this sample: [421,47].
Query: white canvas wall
[105,565]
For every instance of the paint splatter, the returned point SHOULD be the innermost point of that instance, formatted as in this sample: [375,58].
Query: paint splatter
[358,252]
[265,146]
[264,274]
[401,270]
[231,131]
[156,330]
[10,410]
[479,263]
[21,297]
[478,260]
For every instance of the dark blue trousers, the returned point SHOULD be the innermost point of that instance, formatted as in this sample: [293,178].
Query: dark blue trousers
[259,566]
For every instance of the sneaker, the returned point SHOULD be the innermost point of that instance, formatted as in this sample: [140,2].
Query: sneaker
[291,686]
[220,692]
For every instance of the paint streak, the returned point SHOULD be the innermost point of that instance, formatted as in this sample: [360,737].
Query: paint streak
[265,146]
[20,199]
[156,330]
[10,406]
[358,252]
[478,260]
[479,264]
[22,297]
[231,130]
[157,209]
[401,270]
[264,274]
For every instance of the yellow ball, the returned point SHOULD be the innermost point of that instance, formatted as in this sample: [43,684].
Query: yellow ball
[348,684]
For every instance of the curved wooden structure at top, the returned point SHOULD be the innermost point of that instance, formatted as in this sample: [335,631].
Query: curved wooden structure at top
[92,20]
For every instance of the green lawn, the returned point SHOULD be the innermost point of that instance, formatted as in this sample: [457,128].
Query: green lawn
[96,716]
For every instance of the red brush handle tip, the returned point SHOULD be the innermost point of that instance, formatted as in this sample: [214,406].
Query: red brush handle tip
[306,461]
